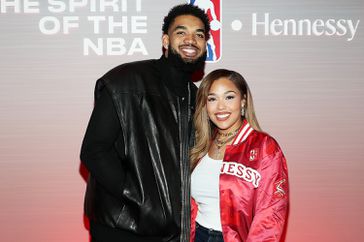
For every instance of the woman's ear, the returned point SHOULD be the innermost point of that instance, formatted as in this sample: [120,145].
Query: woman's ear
[243,101]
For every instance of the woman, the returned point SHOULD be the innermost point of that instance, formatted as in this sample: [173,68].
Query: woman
[239,182]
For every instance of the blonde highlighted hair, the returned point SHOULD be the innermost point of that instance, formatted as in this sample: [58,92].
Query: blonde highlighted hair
[204,127]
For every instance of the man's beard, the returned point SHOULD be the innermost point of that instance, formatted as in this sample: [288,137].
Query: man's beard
[186,65]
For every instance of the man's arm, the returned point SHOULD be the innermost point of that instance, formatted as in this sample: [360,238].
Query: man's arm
[98,152]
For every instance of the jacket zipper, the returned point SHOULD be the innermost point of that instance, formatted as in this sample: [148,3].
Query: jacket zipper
[184,166]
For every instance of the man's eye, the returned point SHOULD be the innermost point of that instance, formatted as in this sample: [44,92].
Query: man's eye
[180,33]
[202,36]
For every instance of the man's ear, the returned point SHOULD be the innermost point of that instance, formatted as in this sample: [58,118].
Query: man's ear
[165,41]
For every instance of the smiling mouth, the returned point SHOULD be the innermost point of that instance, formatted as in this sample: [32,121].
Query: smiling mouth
[189,51]
[222,116]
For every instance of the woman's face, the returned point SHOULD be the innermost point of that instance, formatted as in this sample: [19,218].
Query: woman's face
[224,104]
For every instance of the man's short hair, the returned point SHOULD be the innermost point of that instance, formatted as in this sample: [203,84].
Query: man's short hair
[186,9]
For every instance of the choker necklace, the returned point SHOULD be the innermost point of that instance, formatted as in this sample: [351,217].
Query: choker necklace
[230,133]
[220,143]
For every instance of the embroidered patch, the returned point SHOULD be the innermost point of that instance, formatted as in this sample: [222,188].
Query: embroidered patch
[253,154]
[280,188]
[241,171]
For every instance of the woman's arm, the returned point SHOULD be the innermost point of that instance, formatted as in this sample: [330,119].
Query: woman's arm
[271,201]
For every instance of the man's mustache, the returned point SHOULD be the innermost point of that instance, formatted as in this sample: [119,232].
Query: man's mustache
[189,45]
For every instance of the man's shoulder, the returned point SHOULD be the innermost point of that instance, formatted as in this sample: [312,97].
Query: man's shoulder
[131,69]
[132,75]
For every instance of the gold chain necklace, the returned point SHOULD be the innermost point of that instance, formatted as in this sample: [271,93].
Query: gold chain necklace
[220,143]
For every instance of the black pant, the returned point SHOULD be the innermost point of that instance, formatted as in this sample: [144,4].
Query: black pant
[102,233]
[207,235]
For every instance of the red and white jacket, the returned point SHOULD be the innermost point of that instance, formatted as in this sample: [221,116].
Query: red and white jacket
[253,189]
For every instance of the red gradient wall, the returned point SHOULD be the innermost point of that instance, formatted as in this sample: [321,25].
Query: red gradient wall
[308,91]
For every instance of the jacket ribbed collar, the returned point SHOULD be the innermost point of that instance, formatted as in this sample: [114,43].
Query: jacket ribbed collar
[243,133]
[175,79]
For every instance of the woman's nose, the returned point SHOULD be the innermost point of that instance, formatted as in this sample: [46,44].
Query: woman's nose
[220,105]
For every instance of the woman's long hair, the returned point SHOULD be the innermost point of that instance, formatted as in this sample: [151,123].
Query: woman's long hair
[203,125]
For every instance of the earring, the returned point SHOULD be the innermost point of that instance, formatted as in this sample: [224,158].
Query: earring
[242,111]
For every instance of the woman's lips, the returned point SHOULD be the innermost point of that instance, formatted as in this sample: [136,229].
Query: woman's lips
[222,116]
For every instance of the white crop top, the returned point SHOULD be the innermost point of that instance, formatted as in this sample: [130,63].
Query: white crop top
[205,191]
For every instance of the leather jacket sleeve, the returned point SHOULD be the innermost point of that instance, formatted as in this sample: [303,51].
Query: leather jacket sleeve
[272,197]
[98,151]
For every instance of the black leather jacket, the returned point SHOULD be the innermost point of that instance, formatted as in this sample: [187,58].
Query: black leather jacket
[152,151]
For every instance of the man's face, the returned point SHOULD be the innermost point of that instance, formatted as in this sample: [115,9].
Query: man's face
[186,37]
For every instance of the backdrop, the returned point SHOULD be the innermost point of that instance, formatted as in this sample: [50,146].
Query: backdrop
[304,61]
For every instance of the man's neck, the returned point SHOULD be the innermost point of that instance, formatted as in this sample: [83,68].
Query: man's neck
[175,78]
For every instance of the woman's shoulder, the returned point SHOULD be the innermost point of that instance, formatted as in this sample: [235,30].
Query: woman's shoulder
[265,141]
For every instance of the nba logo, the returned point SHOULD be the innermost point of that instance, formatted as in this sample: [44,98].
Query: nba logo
[213,9]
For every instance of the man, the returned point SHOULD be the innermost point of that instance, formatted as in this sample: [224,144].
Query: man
[137,142]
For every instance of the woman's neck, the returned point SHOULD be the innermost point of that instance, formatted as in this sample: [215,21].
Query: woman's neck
[230,131]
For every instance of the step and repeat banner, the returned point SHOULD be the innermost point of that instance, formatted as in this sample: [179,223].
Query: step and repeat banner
[302,59]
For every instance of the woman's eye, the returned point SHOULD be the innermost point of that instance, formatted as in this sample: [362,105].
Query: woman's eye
[211,99]
[230,97]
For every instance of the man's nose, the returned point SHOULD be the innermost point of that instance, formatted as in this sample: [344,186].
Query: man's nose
[190,39]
